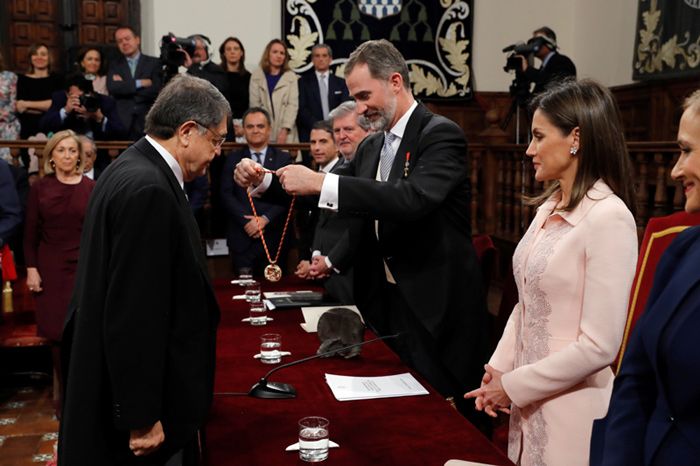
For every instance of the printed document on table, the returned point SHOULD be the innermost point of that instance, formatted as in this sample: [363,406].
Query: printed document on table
[346,388]
[312,314]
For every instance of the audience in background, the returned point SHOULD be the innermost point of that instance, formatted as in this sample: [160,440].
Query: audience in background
[574,267]
[232,54]
[243,231]
[203,67]
[92,66]
[9,124]
[133,80]
[34,90]
[90,170]
[81,109]
[652,416]
[325,156]
[273,87]
[55,213]
[320,91]
[10,205]
[334,244]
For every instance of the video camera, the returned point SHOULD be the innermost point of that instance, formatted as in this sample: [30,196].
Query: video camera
[171,48]
[89,98]
[525,49]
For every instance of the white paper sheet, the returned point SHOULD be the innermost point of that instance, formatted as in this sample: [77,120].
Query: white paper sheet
[312,314]
[347,388]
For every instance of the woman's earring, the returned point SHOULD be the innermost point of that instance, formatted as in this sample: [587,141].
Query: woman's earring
[573,150]
[52,163]
[77,165]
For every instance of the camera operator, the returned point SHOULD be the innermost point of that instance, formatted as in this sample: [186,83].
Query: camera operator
[84,111]
[555,66]
[203,67]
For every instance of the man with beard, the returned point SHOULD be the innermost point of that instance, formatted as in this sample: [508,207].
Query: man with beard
[416,272]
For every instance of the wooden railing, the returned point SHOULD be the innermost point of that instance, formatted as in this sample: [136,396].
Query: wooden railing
[501,176]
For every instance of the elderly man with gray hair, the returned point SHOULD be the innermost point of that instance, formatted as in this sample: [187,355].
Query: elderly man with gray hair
[141,327]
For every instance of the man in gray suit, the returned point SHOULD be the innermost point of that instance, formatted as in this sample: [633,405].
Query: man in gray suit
[133,80]
[332,246]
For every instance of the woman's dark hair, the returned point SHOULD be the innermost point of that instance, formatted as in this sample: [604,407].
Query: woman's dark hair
[222,54]
[81,55]
[602,150]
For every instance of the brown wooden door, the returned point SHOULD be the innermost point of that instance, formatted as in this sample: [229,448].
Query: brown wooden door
[98,19]
[32,22]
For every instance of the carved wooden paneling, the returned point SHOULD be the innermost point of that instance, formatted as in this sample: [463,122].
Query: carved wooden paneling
[43,10]
[113,12]
[31,22]
[20,9]
[100,18]
[91,34]
[90,11]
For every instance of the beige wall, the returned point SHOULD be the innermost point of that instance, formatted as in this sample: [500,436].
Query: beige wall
[597,34]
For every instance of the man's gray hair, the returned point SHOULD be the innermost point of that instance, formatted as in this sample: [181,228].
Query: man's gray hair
[183,99]
[346,108]
[382,59]
[323,46]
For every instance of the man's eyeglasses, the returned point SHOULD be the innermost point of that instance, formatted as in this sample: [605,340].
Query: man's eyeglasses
[218,141]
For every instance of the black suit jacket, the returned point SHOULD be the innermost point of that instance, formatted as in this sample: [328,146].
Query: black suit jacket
[141,329]
[133,103]
[113,129]
[236,203]
[558,67]
[213,73]
[652,418]
[310,109]
[424,237]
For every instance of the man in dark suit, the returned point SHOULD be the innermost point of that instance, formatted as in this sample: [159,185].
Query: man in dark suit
[133,80]
[555,66]
[333,242]
[416,272]
[84,111]
[204,68]
[320,91]
[141,328]
[243,230]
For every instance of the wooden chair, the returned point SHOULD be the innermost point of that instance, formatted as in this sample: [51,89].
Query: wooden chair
[659,233]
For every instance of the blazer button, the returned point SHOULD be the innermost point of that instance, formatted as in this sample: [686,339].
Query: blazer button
[672,419]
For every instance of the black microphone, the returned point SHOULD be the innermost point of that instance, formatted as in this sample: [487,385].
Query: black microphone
[268,390]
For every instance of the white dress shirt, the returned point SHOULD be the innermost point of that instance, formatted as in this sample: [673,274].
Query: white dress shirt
[170,160]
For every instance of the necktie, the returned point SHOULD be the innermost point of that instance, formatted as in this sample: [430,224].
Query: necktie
[387,156]
[257,157]
[323,88]
[132,66]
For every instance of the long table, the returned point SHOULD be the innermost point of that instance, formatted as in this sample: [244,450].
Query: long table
[420,430]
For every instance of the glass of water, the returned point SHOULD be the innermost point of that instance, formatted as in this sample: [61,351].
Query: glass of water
[258,313]
[252,292]
[270,344]
[313,439]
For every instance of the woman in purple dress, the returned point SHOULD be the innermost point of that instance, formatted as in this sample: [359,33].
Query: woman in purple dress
[55,212]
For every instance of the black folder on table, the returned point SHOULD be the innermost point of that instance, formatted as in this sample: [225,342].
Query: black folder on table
[302,298]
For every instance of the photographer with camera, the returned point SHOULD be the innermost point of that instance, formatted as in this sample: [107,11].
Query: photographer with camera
[555,66]
[81,109]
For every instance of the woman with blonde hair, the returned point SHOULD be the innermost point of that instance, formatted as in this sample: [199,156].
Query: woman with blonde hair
[274,87]
[573,267]
[55,213]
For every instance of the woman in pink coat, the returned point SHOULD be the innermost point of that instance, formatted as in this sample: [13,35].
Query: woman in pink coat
[574,268]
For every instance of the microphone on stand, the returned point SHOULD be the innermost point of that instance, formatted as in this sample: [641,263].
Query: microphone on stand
[270,390]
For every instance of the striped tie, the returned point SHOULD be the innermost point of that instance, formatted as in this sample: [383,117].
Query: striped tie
[387,156]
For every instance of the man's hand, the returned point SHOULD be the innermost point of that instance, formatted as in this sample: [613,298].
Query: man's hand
[116,77]
[72,104]
[297,179]
[248,173]
[147,440]
[302,270]
[145,82]
[251,228]
[319,268]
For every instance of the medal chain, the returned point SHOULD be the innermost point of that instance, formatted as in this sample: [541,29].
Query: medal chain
[260,231]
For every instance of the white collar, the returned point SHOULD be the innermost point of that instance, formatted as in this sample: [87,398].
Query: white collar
[400,127]
[169,159]
[326,73]
[329,166]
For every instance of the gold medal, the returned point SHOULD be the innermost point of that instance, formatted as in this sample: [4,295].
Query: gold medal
[273,273]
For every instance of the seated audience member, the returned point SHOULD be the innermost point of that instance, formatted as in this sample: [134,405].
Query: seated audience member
[9,124]
[243,231]
[273,87]
[90,155]
[84,111]
[34,90]
[325,156]
[133,80]
[320,91]
[652,415]
[333,242]
[573,267]
[92,66]
[204,68]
